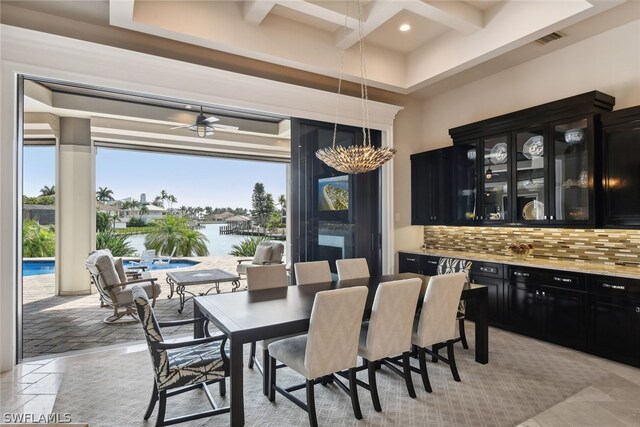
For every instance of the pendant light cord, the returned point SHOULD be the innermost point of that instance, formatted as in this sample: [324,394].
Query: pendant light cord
[342,50]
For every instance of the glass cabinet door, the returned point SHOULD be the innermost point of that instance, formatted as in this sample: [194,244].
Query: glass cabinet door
[495,178]
[530,176]
[571,172]
[466,182]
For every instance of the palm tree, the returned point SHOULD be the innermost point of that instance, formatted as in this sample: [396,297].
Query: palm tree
[172,199]
[104,194]
[171,232]
[158,202]
[48,191]
[144,210]
[282,201]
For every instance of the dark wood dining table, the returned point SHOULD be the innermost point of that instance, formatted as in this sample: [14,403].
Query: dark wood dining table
[246,317]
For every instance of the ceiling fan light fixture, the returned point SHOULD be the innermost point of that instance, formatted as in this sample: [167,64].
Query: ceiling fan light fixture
[201,130]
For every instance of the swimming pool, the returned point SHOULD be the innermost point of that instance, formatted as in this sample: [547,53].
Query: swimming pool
[35,268]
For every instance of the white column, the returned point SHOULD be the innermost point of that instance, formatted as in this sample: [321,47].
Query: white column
[75,196]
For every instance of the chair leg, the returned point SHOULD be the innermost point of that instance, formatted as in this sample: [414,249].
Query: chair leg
[153,302]
[353,388]
[152,403]
[407,374]
[452,361]
[223,387]
[272,379]
[373,387]
[422,357]
[434,349]
[311,404]
[162,408]
[252,354]
[463,334]
[266,371]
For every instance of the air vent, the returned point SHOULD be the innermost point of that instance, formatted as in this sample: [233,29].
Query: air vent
[550,37]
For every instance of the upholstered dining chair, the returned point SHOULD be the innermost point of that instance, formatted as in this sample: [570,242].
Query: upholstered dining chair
[330,346]
[182,366]
[261,277]
[267,253]
[352,268]
[387,334]
[436,323]
[308,273]
[114,285]
[454,265]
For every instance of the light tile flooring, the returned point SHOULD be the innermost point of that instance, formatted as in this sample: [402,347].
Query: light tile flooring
[57,324]
[613,400]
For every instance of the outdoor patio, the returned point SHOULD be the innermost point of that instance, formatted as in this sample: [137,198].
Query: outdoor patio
[58,324]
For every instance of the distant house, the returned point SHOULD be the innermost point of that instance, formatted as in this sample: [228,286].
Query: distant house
[220,217]
[239,222]
[154,213]
[44,214]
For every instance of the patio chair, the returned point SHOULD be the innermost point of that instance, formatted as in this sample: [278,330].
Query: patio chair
[166,260]
[114,288]
[266,253]
[147,258]
[181,366]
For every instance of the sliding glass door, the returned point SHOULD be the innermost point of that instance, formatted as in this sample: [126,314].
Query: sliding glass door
[334,215]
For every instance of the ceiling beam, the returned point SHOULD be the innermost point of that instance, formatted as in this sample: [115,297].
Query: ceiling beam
[379,12]
[323,13]
[453,14]
[254,11]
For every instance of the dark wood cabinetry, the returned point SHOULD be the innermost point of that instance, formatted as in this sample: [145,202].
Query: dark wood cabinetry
[621,168]
[531,167]
[547,304]
[431,202]
[598,314]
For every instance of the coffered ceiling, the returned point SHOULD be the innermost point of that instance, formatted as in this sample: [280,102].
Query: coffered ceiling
[446,37]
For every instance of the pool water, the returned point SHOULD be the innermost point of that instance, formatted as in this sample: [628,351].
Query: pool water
[35,268]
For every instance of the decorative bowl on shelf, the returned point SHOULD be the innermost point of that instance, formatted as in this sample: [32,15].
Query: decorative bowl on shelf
[574,136]
[520,250]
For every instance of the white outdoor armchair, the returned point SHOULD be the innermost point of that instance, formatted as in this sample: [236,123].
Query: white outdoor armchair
[266,253]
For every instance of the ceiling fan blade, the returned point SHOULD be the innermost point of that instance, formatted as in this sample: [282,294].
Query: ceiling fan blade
[211,119]
[225,127]
[180,127]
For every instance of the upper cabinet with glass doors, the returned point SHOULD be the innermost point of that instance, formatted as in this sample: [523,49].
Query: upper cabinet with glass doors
[531,167]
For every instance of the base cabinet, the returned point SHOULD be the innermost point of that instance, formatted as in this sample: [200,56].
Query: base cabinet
[597,314]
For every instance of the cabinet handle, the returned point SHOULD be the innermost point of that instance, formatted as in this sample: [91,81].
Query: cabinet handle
[486,269]
[543,294]
[545,217]
[537,292]
[551,217]
[411,259]
[520,274]
[637,309]
[562,279]
[433,262]
[620,287]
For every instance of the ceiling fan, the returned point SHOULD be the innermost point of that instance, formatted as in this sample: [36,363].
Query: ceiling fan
[204,125]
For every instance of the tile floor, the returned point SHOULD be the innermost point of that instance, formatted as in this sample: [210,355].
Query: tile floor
[612,400]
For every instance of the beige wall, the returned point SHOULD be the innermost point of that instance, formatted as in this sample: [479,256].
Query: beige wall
[609,62]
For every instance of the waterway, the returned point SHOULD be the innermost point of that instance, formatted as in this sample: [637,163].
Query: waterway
[219,244]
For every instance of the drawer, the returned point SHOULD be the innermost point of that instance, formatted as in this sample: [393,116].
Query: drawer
[409,263]
[539,276]
[430,265]
[614,286]
[486,269]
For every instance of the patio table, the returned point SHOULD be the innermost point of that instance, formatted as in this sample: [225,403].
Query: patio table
[181,279]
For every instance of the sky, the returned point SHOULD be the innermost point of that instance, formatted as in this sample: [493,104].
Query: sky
[193,180]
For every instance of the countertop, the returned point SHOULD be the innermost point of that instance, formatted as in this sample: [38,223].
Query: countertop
[578,267]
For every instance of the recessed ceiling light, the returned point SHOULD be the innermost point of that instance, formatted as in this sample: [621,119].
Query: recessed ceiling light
[188,107]
[405,27]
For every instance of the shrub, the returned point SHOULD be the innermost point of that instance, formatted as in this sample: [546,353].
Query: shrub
[136,222]
[247,246]
[116,243]
[37,241]
[103,221]
[173,232]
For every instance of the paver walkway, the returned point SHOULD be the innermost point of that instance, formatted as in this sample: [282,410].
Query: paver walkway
[57,324]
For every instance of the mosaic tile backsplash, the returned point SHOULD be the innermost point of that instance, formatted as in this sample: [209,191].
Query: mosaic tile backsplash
[610,247]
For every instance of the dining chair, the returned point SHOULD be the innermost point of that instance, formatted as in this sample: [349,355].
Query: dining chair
[308,273]
[352,268]
[330,346]
[387,334]
[181,366]
[260,277]
[436,324]
[454,265]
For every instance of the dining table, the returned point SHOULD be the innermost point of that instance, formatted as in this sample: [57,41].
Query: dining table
[250,316]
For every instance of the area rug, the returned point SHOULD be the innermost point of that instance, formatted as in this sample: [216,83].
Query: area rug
[523,378]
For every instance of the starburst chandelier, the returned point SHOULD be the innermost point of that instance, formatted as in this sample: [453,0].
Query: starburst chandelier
[355,158]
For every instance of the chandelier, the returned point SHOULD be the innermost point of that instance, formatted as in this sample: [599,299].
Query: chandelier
[355,158]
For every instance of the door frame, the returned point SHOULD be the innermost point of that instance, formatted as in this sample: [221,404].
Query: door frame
[41,55]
